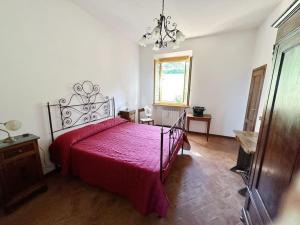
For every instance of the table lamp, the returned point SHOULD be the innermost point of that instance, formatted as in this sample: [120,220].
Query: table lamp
[11,125]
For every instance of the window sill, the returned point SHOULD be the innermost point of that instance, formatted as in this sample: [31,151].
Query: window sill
[171,105]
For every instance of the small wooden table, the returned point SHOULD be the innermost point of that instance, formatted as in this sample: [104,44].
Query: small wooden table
[205,118]
[127,115]
[248,142]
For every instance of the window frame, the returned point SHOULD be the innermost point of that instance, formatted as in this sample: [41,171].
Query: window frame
[173,59]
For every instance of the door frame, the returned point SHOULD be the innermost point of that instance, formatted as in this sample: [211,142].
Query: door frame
[264,68]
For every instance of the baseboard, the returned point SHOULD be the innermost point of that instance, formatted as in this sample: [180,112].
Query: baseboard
[213,135]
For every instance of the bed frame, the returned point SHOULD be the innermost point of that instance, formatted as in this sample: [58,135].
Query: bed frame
[87,104]
[175,137]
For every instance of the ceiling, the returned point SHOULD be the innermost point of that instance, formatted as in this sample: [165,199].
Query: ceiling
[194,17]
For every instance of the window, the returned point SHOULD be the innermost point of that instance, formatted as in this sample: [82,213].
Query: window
[172,81]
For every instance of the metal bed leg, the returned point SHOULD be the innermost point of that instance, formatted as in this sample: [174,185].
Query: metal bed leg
[161,152]
[182,149]
[50,121]
[57,168]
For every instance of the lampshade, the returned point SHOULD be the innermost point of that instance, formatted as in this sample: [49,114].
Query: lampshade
[13,125]
[142,41]
[179,36]
[156,46]
[156,32]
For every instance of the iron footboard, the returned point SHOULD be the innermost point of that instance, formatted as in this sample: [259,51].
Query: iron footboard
[175,137]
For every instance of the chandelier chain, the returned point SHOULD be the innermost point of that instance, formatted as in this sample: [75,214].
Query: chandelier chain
[163,7]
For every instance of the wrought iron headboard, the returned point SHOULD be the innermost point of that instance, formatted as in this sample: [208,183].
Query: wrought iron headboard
[86,104]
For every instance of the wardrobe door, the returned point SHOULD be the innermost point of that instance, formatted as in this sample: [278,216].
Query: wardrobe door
[279,142]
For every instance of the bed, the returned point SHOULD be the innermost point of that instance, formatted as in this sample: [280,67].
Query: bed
[132,160]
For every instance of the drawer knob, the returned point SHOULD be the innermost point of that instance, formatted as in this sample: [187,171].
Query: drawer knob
[20,150]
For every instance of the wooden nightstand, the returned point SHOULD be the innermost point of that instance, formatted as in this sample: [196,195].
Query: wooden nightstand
[21,172]
[128,115]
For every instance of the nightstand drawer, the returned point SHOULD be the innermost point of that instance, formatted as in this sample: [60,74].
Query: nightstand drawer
[128,115]
[17,150]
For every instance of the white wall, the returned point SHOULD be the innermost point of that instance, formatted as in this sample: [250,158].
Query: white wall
[266,36]
[221,75]
[48,45]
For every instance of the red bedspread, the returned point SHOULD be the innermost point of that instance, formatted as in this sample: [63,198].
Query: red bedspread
[119,156]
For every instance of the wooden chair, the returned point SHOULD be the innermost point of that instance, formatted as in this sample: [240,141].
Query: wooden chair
[144,120]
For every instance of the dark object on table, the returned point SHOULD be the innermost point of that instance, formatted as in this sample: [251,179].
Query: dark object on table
[21,173]
[25,135]
[198,111]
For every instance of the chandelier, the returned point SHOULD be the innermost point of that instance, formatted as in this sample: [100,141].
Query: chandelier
[164,34]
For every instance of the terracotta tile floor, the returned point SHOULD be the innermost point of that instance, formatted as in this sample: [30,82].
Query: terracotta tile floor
[201,190]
